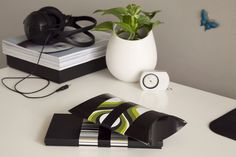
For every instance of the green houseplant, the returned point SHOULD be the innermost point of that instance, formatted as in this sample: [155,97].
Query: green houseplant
[131,20]
[131,48]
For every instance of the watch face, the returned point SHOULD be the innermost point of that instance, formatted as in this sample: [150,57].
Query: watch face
[150,81]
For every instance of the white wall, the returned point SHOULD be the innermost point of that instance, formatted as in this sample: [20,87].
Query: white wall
[205,60]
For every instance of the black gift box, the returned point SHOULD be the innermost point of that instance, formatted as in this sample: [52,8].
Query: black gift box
[55,75]
[70,130]
[128,118]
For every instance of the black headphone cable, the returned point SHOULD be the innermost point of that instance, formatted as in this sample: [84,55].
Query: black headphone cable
[29,76]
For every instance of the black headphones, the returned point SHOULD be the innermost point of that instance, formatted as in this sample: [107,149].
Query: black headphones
[51,22]
[46,26]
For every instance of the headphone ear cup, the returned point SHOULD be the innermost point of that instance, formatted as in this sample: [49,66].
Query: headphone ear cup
[56,16]
[36,27]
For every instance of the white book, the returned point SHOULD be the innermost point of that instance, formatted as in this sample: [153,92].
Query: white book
[49,57]
[65,52]
[53,65]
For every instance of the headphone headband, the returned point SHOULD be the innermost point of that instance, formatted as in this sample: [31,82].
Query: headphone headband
[72,22]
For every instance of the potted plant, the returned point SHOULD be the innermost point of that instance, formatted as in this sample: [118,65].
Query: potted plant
[132,47]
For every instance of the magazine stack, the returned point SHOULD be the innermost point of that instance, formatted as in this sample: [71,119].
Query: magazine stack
[59,62]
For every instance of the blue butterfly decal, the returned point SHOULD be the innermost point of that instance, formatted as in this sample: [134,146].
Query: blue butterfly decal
[206,22]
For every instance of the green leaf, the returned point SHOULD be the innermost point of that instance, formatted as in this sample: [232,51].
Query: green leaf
[105,26]
[127,19]
[125,27]
[156,23]
[150,26]
[118,12]
[151,14]
[134,9]
[144,20]
[130,20]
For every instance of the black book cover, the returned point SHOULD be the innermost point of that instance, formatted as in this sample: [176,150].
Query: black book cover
[55,75]
[70,130]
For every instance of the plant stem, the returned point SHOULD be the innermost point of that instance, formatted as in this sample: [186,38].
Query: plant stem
[131,36]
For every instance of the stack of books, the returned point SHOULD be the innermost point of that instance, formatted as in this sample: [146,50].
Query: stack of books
[59,62]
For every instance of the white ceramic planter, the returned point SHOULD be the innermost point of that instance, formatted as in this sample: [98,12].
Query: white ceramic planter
[126,59]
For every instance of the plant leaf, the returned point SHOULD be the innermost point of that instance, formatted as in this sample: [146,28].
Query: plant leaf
[133,9]
[156,23]
[126,19]
[151,25]
[144,20]
[130,20]
[104,26]
[151,14]
[118,12]
[125,27]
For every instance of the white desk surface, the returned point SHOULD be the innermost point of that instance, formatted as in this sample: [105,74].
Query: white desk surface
[24,122]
